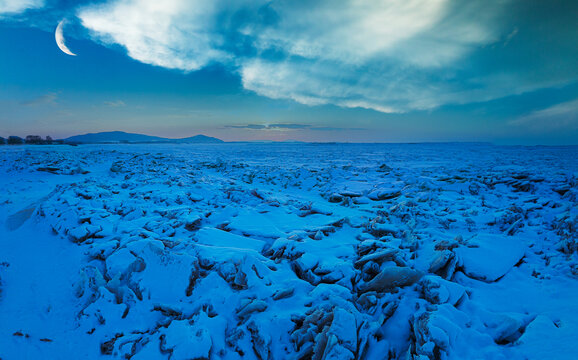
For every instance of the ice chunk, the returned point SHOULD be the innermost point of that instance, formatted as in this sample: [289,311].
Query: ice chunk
[384,194]
[391,277]
[503,328]
[216,237]
[438,291]
[489,257]
[545,331]
[253,306]
[283,293]
[344,328]
[444,264]
[187,341]
[261,340]
[253,223]
[120,262]
[16,220]
[378,256]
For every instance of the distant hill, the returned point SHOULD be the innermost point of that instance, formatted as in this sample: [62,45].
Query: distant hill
[199,139]
[112,136]
[124,137]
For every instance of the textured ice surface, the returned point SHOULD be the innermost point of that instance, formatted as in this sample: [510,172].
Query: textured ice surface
[490,257]
[248,251]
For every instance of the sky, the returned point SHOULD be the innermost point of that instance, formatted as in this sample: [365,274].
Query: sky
[502,71]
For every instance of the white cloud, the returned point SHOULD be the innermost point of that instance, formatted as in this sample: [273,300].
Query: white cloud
[18,6]
[353,32]
[46,99]
[115,103]
[319,83]
[386,55]
[390,56]
[175,34]
[562,116]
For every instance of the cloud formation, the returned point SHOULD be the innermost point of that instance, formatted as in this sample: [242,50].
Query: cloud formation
[391,56]
[46,99]
[270,126]
[334,128]
[115,103]
[556,117]
[17,6]
[175,34]
[290,127]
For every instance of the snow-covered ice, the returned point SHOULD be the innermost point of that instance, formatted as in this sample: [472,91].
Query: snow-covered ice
[288,251]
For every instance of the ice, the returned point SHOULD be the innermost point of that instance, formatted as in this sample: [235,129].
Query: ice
[216,237]
[186,341]
[120,262]
[390,278]
[489,257]
[274,251]
[16,220]
[439,291]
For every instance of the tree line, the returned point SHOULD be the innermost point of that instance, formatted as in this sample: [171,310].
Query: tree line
[30,139]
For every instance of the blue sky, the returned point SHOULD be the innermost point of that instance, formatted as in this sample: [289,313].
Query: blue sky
[503,71]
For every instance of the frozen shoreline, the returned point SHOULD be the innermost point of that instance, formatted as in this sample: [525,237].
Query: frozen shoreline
[278,250]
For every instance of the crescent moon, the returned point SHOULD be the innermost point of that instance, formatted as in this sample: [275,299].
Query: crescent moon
[59,36]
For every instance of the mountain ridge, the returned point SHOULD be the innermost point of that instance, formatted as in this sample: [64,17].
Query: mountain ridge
[125,137]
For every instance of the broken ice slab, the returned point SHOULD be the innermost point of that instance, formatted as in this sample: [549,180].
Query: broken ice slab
[488,257]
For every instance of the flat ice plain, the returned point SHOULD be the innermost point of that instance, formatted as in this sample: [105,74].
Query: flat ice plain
[288,251]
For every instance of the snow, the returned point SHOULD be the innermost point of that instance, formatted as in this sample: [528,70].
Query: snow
[271,251]
[216,237]
[489,257]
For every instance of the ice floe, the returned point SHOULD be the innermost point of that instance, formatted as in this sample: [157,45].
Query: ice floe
[277,251]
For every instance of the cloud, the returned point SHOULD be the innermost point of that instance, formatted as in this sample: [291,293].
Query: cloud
[290,127]
[46,99]
[270,126]
[562,116]
[510,36]
[332,128]
[11,7]
[390,56]
[393,56]
[175,34]
[354,33]
[115,103]
[248,126]
[423,33]
[320,82]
